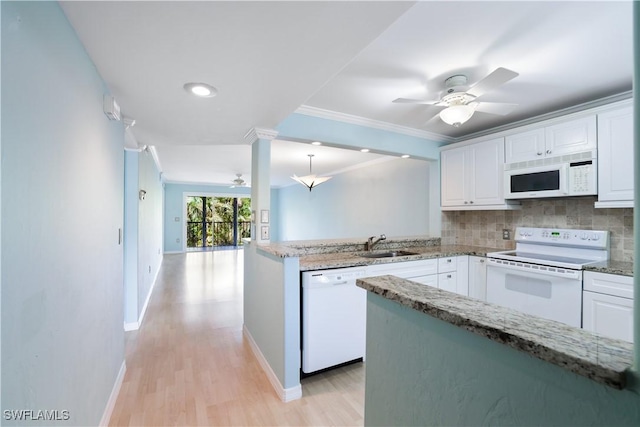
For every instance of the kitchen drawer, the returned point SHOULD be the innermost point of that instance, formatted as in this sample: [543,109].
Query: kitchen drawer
[406,269]
[447,281]
[608,284]
[447,264]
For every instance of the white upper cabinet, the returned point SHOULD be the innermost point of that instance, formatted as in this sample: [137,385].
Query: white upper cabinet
[568,137]
[524,146]
[615,158]
[472,176]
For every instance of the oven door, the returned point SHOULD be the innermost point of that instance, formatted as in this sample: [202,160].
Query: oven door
[538,182]
[549,292]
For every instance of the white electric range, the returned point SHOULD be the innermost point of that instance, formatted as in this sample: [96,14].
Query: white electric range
[543,275]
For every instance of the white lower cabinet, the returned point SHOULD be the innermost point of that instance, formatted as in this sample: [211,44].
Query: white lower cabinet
[607,305]
[478,277]
[422,271]
[450,273]
[453,274]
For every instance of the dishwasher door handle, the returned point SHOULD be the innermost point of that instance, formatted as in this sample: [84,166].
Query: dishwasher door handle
[340,283]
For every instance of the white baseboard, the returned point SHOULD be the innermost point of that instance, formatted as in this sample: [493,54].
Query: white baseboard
[173,252]
[133,326]
[285,394]
[111,403]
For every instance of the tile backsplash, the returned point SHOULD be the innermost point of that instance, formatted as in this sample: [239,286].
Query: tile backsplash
[484,228]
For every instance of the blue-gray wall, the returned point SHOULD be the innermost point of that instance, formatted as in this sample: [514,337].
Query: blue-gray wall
[423,371]
[391,197]
[301,126]
[143,228]
[62,206]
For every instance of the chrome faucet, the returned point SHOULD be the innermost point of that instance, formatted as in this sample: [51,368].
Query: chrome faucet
[371,243]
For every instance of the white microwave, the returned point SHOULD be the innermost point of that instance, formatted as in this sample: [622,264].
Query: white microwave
[558,180]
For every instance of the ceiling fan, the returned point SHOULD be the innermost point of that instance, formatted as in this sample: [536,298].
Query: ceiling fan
[238,182]
[459,100]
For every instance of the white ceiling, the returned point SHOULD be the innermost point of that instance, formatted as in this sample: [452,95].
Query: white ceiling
[269,58]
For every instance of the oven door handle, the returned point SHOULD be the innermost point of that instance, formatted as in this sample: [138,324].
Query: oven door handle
[534,268]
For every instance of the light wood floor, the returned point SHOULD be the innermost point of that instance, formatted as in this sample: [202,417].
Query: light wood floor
[189,365]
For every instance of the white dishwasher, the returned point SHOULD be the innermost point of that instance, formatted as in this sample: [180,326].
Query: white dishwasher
[334,317]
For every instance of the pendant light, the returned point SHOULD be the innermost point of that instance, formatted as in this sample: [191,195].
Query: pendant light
[310,180]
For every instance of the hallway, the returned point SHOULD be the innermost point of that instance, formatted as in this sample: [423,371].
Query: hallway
[188,364]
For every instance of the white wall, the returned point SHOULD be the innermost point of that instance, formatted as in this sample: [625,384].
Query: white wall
[390,197]
[62,206]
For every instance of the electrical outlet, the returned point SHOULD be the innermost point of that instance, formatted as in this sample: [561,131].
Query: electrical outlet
[177,240]
[506,234]
[176,219]
[264,232]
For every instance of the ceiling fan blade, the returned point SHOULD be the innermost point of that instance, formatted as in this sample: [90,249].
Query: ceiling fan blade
[499,77]
[499,108]
[416,101]
[432,120]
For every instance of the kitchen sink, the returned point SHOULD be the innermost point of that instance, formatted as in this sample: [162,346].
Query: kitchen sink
[389,254]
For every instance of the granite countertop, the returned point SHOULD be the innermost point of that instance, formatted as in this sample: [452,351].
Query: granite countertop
[338,246]
[612,267]
[353,259]
[601,359]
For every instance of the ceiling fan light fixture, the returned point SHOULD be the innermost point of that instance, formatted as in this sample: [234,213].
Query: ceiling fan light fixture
[455,115]
[202,90]
[310,181]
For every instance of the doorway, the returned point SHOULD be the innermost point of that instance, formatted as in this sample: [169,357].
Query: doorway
[217,222]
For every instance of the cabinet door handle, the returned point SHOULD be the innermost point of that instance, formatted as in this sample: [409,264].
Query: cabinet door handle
[548,151]
[448,276]
[540,153]
[471,202]
[449,260]
[481,260]
[465,202]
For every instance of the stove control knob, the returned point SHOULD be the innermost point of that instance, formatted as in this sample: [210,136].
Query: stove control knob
[595,237]
[584,236]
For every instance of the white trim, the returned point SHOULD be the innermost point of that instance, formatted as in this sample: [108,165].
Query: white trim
[131,326]
[172,252]
[307,110]
[259,133]
[146,302]
[614,204]
[156,159]
[111,403]
[285,394]
[508,206]
[546,119]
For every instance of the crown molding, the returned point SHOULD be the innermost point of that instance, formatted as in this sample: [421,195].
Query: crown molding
[362,121]
[260,133]
[586,107]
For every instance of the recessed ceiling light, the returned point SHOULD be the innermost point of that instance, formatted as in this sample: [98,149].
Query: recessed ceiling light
[316,143]
[405,156]
[202,90]
[364,150]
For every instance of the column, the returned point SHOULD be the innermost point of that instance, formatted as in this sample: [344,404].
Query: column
[260,140]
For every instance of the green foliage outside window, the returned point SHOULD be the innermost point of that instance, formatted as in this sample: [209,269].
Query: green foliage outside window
[217,213]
